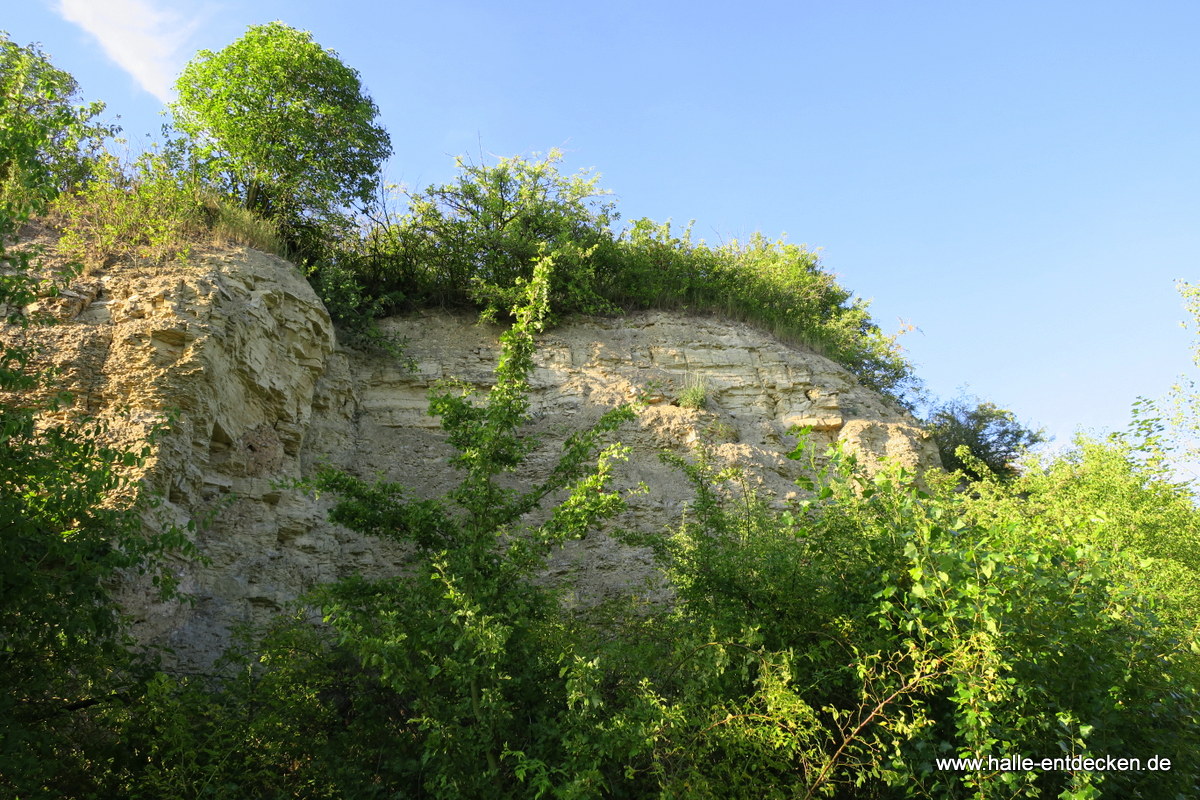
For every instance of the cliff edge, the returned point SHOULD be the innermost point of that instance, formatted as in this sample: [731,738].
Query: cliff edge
[235,346]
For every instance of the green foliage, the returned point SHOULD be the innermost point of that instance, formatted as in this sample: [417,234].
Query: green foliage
[1072,612]
[1165,430]
[1121,503]
[694,395]
[300,719]
[919,624]
[154,209]
[993,436]
[335,277]
[285,128]
[70,528]
[150,211]
[472,243]
[283,125]
[777,285]
[45,139]
[469,641]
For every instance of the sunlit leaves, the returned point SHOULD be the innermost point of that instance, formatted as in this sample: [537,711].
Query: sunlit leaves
[285,123]
[45,137]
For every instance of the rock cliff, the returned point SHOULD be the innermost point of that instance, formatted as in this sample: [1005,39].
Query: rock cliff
[239,350]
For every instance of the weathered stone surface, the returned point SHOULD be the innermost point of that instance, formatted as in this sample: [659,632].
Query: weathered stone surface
[236,345]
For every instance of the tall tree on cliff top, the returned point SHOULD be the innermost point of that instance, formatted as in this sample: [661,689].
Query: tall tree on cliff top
[283,124]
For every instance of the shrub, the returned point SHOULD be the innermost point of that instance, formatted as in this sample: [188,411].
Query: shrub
[992,434]
[877,627]
[694,395]
[778,286]
[475,242]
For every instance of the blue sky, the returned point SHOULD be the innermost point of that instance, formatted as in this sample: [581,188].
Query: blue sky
[1020,180]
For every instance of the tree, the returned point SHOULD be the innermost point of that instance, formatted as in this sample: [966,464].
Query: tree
[64,537]
[283,123]
[44,136]
[993,434]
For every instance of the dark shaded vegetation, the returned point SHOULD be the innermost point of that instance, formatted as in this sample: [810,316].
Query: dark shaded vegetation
[70,523]
[833,646]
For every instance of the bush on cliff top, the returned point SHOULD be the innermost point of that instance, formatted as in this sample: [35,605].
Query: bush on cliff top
[473,243]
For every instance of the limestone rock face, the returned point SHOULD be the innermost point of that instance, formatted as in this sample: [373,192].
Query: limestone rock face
[240,351]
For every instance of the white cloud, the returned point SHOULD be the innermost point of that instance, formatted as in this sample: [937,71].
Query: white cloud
[144,40]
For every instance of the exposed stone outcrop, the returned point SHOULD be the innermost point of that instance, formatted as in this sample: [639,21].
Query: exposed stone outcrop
[236,344]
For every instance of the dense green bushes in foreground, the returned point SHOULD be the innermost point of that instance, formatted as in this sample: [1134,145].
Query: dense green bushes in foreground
[835,649]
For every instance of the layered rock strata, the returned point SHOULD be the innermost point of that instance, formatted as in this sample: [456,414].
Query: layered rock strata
[236,348]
